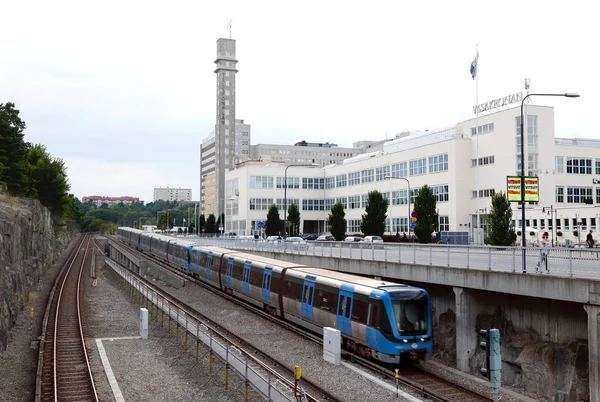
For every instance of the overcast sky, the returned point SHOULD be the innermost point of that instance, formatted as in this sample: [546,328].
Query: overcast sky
[124,91]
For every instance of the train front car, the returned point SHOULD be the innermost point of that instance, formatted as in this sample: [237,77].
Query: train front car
[405,328]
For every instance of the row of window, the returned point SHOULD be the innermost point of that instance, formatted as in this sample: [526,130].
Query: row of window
[576,165]
[577,195]
[486,160]
[484,129]
[487,193]
[560,223]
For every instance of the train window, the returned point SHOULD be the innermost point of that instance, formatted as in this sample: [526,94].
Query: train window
[256,276]
[238,269]
[341,305]
[318,302]
[359,311]
[275,284]
[293,290]
[348,305]
[379,318]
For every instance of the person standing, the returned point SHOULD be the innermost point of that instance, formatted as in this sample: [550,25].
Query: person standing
[544,249]
[590,240]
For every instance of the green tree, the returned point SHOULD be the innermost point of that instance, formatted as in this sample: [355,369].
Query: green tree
[427,217]
[273,225]
[48,180]
[294,218]
[163,222]
[337,221]
[373,220]
[13,151]
[500,229]
[210,224]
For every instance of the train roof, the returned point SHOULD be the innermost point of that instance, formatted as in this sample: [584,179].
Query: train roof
[358,280]
[268,261]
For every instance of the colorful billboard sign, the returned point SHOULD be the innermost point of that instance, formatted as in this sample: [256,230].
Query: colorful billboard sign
[532,189]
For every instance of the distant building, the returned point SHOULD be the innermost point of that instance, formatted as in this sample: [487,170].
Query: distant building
[322,154]
[99,200]
[172,194]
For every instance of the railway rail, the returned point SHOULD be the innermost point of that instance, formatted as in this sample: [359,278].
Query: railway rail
[310,391]
[428,385]
[64,371]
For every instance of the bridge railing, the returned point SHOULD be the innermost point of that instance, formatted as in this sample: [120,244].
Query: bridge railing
[573,262]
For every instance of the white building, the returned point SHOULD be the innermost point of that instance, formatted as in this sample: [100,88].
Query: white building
[172,194]
[322,154]
[463,169]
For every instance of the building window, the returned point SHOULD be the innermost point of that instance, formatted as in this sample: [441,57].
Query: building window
[329,183]
[578,195]
[313,183]
[579,166]
[440,192]
[418,167]
[340,180]
[292,182]
[399,197]
[560,194]
[353,178]
[329,202]
[261,181]
[364,198]
[353,226]
[559,165]
[487,193]
[444,223]
[399,169]
[280,201]
[414,192]
[438,163]
[597,166]
[400,225]
[366,176]
[484,129]
[343,201]
[260,204]
[354,202]
[485,160]
[598,196]
[381,172]
[313,205]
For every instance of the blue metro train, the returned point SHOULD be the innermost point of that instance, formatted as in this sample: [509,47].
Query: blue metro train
[378,319]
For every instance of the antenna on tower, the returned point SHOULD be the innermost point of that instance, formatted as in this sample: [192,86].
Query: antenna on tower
[229,27]
[527,85]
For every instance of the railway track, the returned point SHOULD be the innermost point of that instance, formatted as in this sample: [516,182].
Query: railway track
[64,371]
[429,386]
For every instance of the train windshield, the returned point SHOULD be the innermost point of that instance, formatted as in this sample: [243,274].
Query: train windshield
[411,317]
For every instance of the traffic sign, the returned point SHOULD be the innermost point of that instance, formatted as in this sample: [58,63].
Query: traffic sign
[413,224]
[260,225]
[414,214]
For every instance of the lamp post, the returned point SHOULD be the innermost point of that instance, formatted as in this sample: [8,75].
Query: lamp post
[285,190]
[407,200]
[553,221]
[524,244]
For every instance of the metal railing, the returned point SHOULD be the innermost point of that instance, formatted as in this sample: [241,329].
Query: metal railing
[571,262]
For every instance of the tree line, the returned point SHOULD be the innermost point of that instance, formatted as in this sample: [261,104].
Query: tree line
[28,170]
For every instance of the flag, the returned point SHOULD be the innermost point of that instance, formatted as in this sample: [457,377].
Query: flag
[474,66]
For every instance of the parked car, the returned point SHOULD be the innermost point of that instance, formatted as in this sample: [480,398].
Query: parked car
[325,238]
[311,236]
[274,239]
[296,243]
[354,239]
[376,240]
[229,235]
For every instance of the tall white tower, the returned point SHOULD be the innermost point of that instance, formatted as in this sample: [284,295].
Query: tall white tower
[225,132]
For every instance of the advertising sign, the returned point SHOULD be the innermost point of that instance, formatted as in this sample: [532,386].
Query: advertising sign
[513,189]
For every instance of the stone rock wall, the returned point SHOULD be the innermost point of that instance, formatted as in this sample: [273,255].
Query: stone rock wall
[29,245]
[556,372]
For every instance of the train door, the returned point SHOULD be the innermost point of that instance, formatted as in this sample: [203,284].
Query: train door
[246,277]
[344,310]
[308,295]
[209,263]
[266,284]
[228,273]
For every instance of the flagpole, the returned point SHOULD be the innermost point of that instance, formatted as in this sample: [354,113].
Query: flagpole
[477,140]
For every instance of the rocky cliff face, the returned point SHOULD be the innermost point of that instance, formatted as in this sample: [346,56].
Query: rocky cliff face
[551,371]
[29,246]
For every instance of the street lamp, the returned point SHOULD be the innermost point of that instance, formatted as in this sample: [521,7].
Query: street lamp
[285,190]
[407,199]
[524,244]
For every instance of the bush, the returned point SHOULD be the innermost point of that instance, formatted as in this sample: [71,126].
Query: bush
[531,234]
[559,233]
[575,233]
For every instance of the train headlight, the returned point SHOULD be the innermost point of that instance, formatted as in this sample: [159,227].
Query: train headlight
[405,340]
[422,339]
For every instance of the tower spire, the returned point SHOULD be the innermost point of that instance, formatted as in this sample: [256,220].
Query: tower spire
[229,27]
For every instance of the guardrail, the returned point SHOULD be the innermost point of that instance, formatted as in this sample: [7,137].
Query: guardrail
[572,262]
[264,379]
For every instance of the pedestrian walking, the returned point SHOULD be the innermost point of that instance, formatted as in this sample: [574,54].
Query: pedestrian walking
[544,249]
[590,240]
